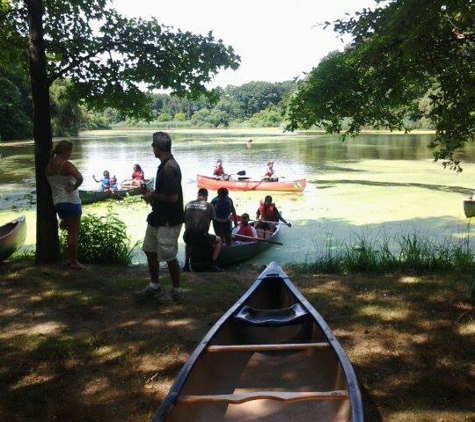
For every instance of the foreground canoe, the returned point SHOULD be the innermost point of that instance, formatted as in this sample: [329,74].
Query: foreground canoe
[271,357]
[243,251]
[12,237]
[91,196]
[245,185]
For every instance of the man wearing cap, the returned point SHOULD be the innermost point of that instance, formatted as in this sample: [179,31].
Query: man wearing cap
[164,222]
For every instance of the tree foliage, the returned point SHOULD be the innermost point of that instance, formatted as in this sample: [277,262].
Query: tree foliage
[107,57]
[402,51]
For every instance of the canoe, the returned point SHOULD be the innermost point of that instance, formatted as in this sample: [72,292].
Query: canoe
[270,357]
[91,196]
[12,237]
[212,183]
[242,251]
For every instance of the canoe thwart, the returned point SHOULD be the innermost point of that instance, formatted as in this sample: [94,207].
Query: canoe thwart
[267,347]
[272,317]
[288,397]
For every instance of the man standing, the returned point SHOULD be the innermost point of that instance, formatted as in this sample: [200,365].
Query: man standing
[164,222]
[225,212]
[204,247]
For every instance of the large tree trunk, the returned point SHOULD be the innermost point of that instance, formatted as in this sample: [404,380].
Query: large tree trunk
[47,243]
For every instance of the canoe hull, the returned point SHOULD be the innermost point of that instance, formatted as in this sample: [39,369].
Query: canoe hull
[243,251]
[92,196]
[271,357]
[249,185]
[12,237]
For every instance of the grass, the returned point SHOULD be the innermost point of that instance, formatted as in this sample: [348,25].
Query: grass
[413,253]
[74,346]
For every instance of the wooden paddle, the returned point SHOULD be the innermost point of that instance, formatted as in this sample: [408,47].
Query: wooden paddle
[268,222]
[259,239]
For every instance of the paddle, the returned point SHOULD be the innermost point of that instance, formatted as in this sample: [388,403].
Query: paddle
[269,222]
[239,173]
[259,239]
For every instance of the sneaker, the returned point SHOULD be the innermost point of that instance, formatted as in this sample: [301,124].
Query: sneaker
[215,269]
[147,294]
[174,295]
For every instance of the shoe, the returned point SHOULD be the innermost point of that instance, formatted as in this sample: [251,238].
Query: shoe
[174,295]
[215,269]
[147,294]
[186,269]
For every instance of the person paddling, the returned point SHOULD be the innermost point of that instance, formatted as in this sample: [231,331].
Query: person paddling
[269,175]
[268,213]
[218,170]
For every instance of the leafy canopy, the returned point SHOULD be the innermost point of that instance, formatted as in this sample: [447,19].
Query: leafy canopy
[402,51]
[112,59]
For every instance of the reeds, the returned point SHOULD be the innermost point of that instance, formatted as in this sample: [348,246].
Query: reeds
[411,252]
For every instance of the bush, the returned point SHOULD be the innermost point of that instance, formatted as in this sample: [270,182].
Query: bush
[102,240]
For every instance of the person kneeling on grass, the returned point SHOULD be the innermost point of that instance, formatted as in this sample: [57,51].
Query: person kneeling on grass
[244,232]
[201,247]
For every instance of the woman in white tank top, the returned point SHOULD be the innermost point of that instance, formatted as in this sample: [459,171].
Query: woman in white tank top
[64,179]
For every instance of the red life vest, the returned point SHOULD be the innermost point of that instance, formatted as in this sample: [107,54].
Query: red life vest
[137,175]
[245,231]
[269,172]
[267,213]
[218,171]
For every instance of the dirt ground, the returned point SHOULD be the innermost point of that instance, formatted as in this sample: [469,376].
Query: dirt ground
[74,346]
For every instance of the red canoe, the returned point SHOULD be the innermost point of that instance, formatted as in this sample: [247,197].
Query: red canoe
[244,184]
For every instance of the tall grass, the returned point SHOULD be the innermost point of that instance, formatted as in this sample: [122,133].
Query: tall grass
[411,252]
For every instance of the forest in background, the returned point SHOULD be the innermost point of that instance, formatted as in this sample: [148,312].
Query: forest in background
[254,104]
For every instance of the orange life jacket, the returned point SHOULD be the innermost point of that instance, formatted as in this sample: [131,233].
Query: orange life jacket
[267,213]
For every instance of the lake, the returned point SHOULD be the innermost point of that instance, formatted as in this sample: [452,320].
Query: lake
[378,185]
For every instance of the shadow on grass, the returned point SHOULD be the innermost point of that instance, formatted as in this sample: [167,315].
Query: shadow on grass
[74,346]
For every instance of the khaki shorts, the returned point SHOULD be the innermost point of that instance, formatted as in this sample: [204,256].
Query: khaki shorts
[163,241]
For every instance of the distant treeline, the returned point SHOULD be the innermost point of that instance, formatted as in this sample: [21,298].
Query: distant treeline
[254,104]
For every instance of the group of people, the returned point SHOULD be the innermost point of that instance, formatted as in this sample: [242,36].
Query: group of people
[221,212]
[109,184]
[269,174]
[165,221]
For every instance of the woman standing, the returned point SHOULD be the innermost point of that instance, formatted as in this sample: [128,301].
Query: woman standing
[64,179]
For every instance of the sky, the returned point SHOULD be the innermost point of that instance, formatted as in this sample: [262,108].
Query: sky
[277,40]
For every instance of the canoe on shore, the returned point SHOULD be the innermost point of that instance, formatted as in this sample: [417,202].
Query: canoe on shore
[245,184]
[270,357]
[242,251]
[91,196]
[12,237]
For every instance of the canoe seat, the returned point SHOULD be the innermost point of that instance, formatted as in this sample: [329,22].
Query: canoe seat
[271,317]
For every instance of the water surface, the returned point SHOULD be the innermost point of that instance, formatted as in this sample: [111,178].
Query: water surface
[377,185]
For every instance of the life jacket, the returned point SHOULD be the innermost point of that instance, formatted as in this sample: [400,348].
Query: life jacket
[269,172]
[245,231]
[137,175]
[218,171]
[223,209]
[267,213]
[106,183]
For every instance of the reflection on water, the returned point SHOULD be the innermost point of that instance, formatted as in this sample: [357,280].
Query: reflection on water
[373,182]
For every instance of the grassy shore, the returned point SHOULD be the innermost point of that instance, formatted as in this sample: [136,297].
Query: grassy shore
[75,347]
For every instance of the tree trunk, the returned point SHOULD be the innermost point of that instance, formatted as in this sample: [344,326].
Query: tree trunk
[47,242]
